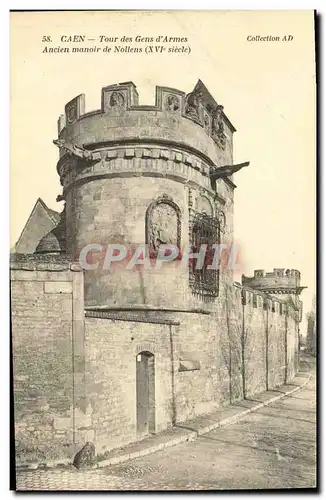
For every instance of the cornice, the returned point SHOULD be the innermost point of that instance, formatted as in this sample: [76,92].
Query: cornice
[173,171]
[135,142]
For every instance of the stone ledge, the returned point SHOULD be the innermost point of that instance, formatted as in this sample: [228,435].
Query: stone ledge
[156,153]
[130,317]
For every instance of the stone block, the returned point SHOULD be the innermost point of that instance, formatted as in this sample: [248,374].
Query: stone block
[188,160]
[130,153]
[111,154]
[178,157]
[155,153]
[97,156]
[165,154]
[57,287]
[147,153]
[62,423]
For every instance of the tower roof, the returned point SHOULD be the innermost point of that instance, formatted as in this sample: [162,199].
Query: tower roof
[41,220]
[49,243]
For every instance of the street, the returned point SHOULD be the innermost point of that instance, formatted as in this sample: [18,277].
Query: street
[273,447]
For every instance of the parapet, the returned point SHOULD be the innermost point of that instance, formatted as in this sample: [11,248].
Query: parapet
[193,119]
[277,272]
[280,280]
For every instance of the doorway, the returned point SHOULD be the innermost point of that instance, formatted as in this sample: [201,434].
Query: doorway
[145,393]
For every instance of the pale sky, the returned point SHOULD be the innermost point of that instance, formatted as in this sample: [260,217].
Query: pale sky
[267,90]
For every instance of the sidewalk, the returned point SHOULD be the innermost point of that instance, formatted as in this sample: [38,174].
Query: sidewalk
[188,431]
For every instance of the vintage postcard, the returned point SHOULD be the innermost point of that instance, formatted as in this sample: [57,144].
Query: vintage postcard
[162,260]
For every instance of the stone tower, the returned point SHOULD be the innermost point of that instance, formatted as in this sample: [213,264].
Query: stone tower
[284,283]
[118,353]
[137,175]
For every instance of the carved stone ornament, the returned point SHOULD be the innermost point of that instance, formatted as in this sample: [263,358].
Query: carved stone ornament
[74,149]
[172,103]
[117,100]
[222,219]
[206,121]
[163,223]
[192,104]
[218,134]
[190,198]
[72,113]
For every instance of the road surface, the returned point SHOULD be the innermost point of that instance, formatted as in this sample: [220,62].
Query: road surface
[272,448]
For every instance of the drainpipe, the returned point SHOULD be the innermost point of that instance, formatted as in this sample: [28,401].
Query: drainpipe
[243,344]
[172,377]
[286,345]
[267,339]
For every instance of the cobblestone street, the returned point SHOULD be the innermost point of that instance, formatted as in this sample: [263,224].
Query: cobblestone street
[272,448]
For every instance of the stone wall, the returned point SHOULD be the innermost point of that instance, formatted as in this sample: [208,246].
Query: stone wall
[202,361]
[110,373]
[109,204]
[258,342]
[292,342]
[276,336]
[47,318]
[114,210]
[185,359]
[75,378]
[196,345]
[254,340]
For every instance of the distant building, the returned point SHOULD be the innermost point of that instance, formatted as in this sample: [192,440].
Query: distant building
[302,342]
[311,330]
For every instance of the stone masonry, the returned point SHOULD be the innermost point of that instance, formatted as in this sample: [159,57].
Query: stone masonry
[109,356]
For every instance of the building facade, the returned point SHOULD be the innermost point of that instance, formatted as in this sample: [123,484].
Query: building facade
[109,355]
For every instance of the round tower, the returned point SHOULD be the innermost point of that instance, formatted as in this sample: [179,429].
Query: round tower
[138,175]
[284,283]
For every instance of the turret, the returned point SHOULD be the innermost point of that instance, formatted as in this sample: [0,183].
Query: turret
[285,283]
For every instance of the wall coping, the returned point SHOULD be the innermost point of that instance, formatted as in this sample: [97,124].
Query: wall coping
[146,308]
[137,317]
[43,262]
